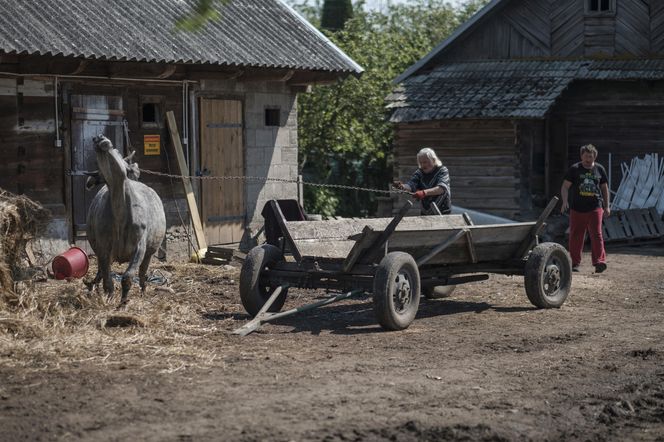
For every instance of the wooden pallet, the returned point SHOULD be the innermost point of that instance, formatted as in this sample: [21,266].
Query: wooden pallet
[633,224]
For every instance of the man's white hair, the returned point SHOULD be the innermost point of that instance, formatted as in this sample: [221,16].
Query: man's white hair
[429,153]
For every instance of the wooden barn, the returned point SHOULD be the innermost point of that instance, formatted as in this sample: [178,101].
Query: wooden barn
[510,96]
[72,69]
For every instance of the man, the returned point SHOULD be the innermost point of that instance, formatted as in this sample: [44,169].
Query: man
[586,193]
[430,184]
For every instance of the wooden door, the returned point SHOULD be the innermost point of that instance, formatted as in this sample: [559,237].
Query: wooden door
[91,115]
[222,154]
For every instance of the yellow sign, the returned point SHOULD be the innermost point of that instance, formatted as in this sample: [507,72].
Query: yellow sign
[151,144]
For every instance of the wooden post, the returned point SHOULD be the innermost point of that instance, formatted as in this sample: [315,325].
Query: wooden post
[381,241]
[532,236]
[281,220]
[191,200]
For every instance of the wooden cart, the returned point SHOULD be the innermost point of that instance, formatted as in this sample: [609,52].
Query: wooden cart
[396,259]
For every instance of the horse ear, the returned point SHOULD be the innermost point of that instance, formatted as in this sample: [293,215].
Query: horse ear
[133,172]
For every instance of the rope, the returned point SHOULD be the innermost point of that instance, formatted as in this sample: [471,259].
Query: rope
[279,180]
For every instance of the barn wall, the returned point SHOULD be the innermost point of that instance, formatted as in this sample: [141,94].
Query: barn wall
[625,119]
[562,28]
[483,157]
[30,164]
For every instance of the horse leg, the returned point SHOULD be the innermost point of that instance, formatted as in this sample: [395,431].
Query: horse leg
[143,272]
[128,275]
[104,273]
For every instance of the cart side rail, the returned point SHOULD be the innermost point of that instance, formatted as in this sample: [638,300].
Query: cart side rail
[336,238]
[490,243]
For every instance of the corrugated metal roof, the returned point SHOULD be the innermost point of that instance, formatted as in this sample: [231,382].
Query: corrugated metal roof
[504,89]
[257,33]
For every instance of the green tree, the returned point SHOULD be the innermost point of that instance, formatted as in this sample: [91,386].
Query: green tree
[335,14]
[201,13]
[345,137]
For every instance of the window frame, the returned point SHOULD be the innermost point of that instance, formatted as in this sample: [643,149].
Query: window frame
[276,109]
[594,13]
[158,102]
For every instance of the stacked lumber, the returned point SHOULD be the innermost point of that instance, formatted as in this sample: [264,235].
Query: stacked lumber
[642,184]
[638,203]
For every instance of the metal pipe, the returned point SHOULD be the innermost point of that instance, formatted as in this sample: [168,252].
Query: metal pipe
[58,143]
[98,77]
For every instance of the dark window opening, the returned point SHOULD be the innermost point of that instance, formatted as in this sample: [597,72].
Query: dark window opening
[272,117]
[151,107]
[149,112]
[600,5]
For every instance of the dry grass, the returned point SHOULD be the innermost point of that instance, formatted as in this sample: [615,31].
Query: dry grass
[21,219]
[46,324]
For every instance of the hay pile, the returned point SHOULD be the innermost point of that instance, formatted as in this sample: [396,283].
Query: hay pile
[21,219]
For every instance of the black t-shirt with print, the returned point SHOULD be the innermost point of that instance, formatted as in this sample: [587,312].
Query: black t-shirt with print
[585,194]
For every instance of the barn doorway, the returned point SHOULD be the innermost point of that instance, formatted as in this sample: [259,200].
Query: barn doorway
[91,115]
[222,154]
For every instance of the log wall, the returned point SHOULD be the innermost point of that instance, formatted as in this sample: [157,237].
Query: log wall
[564,28]
[625,119]
[483,157]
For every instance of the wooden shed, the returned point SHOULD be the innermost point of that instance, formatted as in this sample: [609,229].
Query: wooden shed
[72,69]
[510,96]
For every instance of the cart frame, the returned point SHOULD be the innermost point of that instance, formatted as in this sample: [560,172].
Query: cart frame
[266,279]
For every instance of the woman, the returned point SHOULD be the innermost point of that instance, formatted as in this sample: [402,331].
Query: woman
[430,183]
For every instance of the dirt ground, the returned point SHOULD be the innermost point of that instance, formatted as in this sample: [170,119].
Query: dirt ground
[480,365]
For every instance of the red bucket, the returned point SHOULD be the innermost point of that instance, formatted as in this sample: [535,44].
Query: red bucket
[71,264]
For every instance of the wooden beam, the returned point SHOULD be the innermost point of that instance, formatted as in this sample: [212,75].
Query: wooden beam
[358,249]
[191,200]
[440,247]
[532,236]
[281,220]
[471,246]
[378,244]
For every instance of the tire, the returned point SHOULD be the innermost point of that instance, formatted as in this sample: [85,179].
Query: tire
[548,275]
[438,292]
[252,294]
[396,294]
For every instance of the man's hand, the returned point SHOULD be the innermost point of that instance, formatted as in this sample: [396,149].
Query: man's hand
[564,206]
[420,195]
[607,212]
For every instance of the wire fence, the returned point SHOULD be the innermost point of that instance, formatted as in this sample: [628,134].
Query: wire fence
[278,180]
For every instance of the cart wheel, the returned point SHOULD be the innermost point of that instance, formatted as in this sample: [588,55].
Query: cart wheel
[548,275]
[396,292]
[252,293]
[438,292]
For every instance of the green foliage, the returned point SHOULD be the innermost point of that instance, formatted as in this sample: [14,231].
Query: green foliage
[335,14]
[202,12]
[345,137]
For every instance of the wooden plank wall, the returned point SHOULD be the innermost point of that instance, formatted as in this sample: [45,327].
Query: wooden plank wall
[30,164]
[623,118]
[482,156]
[530,135]
[170,98]
[562,28]
[522,29]
[657,26]
[633,27]
[567,28]
[599,35]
